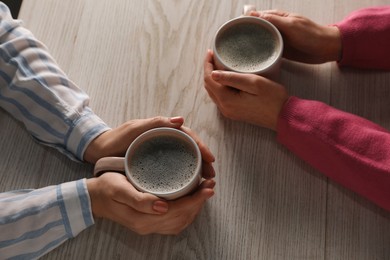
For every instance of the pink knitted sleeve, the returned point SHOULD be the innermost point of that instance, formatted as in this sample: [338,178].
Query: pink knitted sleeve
[365,38]
[348,149]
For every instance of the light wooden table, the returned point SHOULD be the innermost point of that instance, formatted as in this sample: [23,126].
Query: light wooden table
[139,59]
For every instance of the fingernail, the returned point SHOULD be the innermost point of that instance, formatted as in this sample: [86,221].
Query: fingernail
[216,75]
[176,119]
[211,194]
[160,206]
[212,184]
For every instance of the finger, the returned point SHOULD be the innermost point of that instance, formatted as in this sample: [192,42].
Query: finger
[184,210]
[142,125]
[282,20]
[218,92]
[201,196]
[274,12]
[214,89]
[208,171]
[207,184]
[207,156]
[268,13]
[212,95]
[159,121]
[203,193]
[254,13]
[208,62]
[141,202]
[134,128]
[210,84]
[242,82]
[120,214]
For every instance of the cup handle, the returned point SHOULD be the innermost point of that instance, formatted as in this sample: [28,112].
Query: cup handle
[248,9]
[114,164]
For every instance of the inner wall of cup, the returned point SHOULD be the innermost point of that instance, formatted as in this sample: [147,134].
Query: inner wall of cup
[181,136]
[232,65]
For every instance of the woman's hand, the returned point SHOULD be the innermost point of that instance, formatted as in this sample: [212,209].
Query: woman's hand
[304,40]
[116,141]
[244,97]
[113,197]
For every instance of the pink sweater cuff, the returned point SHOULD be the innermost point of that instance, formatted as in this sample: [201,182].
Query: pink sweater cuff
[365,36]
[346,148]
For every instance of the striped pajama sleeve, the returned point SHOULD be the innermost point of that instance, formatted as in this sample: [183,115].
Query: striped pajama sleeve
[33,222]
[35,91]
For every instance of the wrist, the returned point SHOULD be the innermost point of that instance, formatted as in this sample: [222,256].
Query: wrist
[93,191]
[278,109]
[95,149]
[333,49]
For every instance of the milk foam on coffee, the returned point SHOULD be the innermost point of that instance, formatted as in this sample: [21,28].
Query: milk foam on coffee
[247,47]
[163,164]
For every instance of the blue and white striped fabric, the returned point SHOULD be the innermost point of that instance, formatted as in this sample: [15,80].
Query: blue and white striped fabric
[34,90]
[33,222]
[55,111]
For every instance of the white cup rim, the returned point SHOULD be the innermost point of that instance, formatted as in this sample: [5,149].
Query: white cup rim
[163,131]
[257,20]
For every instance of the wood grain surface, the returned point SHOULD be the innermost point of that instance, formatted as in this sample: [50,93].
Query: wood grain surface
[139,59]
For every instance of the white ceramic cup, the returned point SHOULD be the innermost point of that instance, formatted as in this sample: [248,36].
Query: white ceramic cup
[268,66]
[127,164]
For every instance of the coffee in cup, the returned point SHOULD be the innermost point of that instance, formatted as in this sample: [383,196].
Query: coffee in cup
[163,161]
[248,44]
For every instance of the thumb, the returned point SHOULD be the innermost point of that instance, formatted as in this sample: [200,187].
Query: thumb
[142,125]
[277,18]
[118,139]
[159,121]
[243,82]
[142,202]
[117,188]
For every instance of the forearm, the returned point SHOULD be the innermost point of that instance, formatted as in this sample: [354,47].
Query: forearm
[37,92]
[365,36]
[348,149]
[33,222]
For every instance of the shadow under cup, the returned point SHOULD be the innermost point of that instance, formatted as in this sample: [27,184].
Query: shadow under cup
[248,44]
